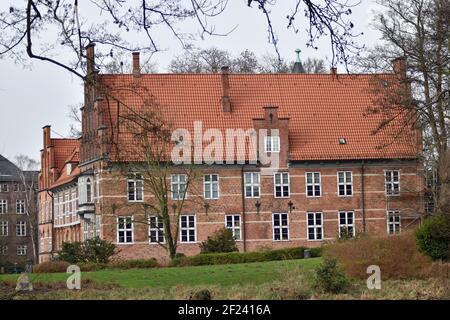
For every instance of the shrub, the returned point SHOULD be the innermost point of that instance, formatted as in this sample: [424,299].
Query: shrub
[329,278]
[134,264]
[51,267]
[396,255]
[92,250]
[91,266]
[220,241]
[433,237]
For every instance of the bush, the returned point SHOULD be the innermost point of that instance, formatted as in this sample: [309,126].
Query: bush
[433,237]
[92,250]
[396,255]
[134,264]
[244,257]
[221,241]
[51,267]
[329,278]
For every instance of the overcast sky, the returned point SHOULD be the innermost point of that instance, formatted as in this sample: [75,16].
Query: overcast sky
[40,95]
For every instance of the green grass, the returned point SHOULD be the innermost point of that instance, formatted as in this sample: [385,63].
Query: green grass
[222,275]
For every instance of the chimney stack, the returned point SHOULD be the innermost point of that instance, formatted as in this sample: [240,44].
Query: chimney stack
[333,71]
[136,65]
[47,137]
[226,104]
[399,65]
[90,58]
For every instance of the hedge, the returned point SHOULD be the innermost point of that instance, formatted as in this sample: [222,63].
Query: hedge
[246,257]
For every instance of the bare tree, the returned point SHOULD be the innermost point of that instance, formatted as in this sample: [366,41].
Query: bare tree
[120,63]
[272,64]
[246,62]
[200,61]
[74,115]
[42,30]
[314,65]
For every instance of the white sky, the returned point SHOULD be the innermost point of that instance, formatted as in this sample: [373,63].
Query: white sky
[33,97]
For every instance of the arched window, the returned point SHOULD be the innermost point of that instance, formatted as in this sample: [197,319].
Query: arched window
[88,191]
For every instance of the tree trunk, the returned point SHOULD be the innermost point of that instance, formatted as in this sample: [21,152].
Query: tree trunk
[444,185]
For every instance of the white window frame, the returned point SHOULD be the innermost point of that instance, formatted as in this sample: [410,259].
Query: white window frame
[3,206]
[22,250]
[6,189]
[156,230]
[74,201]
[315,226]
[21,229]
[397,225]
[252,184]
[134,188]
[176,181]
[346,224]
[392,183]
[233,226]
[272,144]
[125,230]
[281,226]
[282,184]
[4,250]
[345,184]
[98,226]
[4,228]
[209,185]
[313,184]
[20,203]
[188,228]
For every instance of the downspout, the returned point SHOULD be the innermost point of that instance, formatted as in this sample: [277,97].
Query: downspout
[363,198]
[244,239]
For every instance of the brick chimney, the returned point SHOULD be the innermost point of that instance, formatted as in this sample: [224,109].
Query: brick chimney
[90,58]
[333,71]
[136,65]
[47,137]
[226,103]
[399,65]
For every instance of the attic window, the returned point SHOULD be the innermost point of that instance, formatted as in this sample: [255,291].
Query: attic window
[342,141]
[69,169]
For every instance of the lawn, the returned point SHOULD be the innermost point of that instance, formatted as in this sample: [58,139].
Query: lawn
[222,275]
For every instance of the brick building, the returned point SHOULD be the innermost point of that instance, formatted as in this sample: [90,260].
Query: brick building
[18,214]
[333,172]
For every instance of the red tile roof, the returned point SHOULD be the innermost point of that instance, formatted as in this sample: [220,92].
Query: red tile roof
[63,149]
[73,160]
[321,107]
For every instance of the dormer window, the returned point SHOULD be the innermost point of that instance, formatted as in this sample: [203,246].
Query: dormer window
[69,169]
[272,144]
[342,141]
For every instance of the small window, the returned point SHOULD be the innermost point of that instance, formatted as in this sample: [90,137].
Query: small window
[281,183]
[22,250]
[124,230]
[346,223]
[156,230]
[187,228]
[98,226]
[88,190]
[233,223]
[272,144]
[4,188]
[178,186]
[4,228]
[21,229]
[3,206]
[392,182]
[20,206]
[280,226]
[315,226]
[16,187]
[252,185]
[4,250]
[342,141]
[394,222]
[345,183]
[211,186]
[313,184]
[135,187]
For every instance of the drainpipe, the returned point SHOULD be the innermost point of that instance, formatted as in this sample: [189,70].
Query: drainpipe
[363,198]
[244,239]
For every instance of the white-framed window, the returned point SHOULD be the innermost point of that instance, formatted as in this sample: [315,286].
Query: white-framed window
[252,184]
[393,221]
[4,250]
[98,226]
[156,230]
[178,182]
[22,250]
[211,186]
[187,228]
[233,223]
[280,226]
[125,230]
[313,184]
[272,144]
[74,202]
[345,183]
[315,225]
[281,184]
[3,206]
[135,188]
[20,206]
[61,209]
[392,182]
[85,230]
[16,187]
[347,223]
[21,229]
[4,188]
[88,190]
[4,228]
